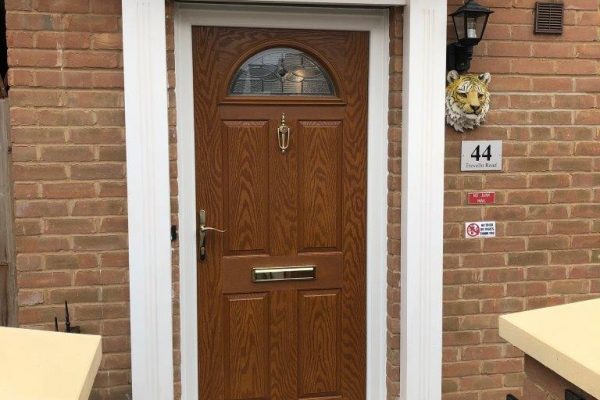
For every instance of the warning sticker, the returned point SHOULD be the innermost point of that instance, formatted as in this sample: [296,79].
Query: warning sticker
[485,229]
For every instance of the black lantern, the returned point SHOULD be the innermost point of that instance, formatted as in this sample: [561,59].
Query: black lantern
[470,22]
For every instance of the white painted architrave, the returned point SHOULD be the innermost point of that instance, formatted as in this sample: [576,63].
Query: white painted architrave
[374,21]
[148,189]
[422,199]
[149,210]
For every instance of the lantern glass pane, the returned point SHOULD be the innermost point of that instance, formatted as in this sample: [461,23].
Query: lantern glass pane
[481,23]
[472,27]
[459,25]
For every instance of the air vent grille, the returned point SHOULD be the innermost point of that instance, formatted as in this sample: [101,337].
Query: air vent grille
[549,18]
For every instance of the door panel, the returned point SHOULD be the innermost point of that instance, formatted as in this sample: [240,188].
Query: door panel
[292,339]
[320,184]
[319,329]
[246,151]
[246,328]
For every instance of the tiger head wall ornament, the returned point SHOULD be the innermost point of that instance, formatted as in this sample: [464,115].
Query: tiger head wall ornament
[467,100]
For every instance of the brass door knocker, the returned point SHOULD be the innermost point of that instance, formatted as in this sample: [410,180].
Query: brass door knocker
[283,135]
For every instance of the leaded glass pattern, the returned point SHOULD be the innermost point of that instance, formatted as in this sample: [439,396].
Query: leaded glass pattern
[282,71]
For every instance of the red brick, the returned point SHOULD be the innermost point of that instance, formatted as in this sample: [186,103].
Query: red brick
[33,58]
[89,59]
[67,153]
[551,149]
[570,227]
[97,242]
[94,99]
[107,41]
[526,289]
[99,207]
[69,226]
[33,21]
[549,180]
[44,279]
[461,369]
[483,291]
[62,6]
[70,261]
[571,196]
[502,366]
[586,211]
[36,98]
[91,23]
[572,164]
[24,172]
[546,273]
[569,287]
[75,295]
[105,6]
[62,40]
[39,208]
[97,171]
[481,382]
[528,164]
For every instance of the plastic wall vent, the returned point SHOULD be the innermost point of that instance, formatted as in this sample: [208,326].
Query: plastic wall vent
[549,18]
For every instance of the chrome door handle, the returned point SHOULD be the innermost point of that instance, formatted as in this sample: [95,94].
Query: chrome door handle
[202,229]
[208,228]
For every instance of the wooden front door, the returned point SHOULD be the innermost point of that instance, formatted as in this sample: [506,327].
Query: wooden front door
[298,213]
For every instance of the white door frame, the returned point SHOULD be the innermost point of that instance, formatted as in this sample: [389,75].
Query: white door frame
[373,21]
[422,194]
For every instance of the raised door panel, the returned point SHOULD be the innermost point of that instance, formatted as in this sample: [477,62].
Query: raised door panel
[320,185]
[319,343]
[246,346]
[246,151]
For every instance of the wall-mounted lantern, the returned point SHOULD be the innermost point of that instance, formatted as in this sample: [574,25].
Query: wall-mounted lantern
[470,22]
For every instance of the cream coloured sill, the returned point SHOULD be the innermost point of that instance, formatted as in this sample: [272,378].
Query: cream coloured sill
[565,338]
[38,365]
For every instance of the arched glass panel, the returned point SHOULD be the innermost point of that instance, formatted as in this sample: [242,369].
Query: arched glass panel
[281,71]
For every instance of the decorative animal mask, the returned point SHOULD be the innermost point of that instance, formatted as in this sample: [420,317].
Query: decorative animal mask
[467,100]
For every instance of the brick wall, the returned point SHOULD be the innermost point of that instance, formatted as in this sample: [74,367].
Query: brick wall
[545,108]
[68,149]
[69,172]
[542,383]
[394,200]
[174,190]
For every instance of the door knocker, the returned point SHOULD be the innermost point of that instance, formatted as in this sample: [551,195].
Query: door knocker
[283,135]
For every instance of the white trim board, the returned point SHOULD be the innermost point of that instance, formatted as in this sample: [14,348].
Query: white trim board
[422,199]
[148,197]
[374,21]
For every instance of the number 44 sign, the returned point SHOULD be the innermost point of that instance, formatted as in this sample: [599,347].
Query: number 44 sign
[481,155]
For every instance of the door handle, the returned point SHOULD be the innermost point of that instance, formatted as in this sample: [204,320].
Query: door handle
[202,230]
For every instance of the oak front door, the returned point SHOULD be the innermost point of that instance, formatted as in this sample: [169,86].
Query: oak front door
[281,142]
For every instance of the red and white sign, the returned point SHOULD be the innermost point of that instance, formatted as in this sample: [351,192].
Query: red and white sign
[484,229]
[476,198]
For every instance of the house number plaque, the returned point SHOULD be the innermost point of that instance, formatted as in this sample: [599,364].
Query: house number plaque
[481,155]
